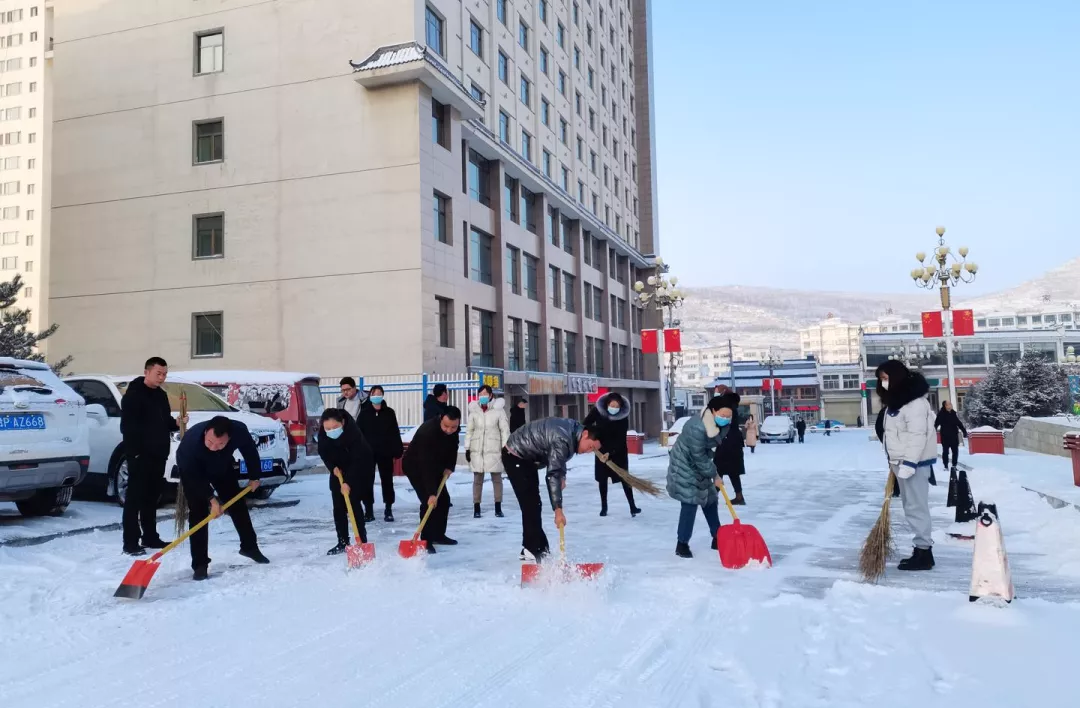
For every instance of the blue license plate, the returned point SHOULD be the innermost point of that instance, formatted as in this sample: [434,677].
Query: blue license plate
[264,465]
[22,421]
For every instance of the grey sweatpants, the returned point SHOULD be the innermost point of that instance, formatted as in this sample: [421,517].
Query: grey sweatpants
[915,494]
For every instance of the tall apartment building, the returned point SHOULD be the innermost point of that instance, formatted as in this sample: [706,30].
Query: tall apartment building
[382,187]
[26,53]
[831,341]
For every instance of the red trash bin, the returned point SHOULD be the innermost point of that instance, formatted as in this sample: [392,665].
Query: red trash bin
[635,443]
[1071,442]
[986,441]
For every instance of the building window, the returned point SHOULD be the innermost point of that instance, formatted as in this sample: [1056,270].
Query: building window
[577,103]
[577,58]
[435,32]
[564,131]
[545,112]
[9,263]
[209,141]
[527,211]
[532,263]
[500,10]
[504,127]
[542,8]
[9,188]
[598,304]
[513,269]
[441,207]
[556,351]
[31,188]
[554,287]
[570,349]
[209,237]
[504,68]
[482,337]
[525,91]
[532,346]
[476,39]
[590,77]
[513,345]
[210,52]
[523,35]
[544,61]
[477,93]
[29,266]
[562,82]
[547,164]
[581,191]
[28,292]
[509,202]
[830,382]
[478,174]
[446,322]
[565,180]
[440,133]
[207,338]
[598,358]
[560,35]
[568,292]
[549,226]
[592,120]
[10,213]
[526,146]
[589,34]
[9,163]
[10,238]
[480,257]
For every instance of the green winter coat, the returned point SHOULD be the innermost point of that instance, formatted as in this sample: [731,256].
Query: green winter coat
[690,464]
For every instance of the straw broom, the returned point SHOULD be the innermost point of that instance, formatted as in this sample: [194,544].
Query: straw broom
[181,501]
[879,544]
[642,485]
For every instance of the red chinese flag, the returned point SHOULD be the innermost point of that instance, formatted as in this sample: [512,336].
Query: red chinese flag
[648,341]
[672,341]
[931,324]
[778,384]
[963,323]
[766,384]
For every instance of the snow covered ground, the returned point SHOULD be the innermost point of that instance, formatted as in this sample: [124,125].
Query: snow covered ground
[455,629]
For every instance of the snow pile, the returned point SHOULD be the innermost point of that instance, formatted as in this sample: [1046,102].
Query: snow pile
[985,429]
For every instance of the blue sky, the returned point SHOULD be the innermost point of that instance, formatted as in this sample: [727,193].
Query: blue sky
[817,143]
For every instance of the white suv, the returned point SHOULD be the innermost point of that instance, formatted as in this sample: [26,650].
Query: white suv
[44,445]
[108,462]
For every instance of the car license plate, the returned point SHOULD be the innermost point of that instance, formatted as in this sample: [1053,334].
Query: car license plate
[264,465]
[22,421]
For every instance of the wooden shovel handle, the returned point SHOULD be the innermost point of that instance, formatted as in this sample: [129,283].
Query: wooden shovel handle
[348,507]
[423,521]
[154,558]
[723,490]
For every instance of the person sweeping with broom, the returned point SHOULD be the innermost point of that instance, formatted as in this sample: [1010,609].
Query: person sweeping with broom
[611,416]
[349,459]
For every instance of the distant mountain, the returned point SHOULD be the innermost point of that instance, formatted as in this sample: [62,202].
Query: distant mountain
[758,316]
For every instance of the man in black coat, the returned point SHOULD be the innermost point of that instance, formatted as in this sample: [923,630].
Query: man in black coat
[517,414]
[950,426]
[611,418]
[207,467]
[344,450]
[147,425]
[431,457]
[436,402]
[800,428]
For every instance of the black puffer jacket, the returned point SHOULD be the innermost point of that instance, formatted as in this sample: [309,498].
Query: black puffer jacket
[350,453]
[613,430]
[146,421]
[948,422]
[550,443]
[728,457]
[431,452]
[433,408]
[380,429]
[517,418]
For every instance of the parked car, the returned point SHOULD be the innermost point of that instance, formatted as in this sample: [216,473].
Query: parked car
[675,429]
[777,427]
[108,468]
[44,438]
[819,427]
[292,398]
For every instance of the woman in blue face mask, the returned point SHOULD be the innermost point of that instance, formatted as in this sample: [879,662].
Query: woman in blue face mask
[486,432]
[344,452]
[611,417]
[379,424]
[691,477]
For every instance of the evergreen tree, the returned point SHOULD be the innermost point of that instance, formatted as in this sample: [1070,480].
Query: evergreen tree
[995,401]
[15,340]
[1044,386]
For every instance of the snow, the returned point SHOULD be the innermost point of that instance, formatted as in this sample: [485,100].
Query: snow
[456,629]
[1065,420]
[984,429]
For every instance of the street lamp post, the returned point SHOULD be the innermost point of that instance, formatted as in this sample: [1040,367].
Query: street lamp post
[665,297]
[770,362]
[945,271]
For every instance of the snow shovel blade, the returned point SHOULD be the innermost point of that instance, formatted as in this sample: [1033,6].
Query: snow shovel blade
[359,554]
[529,573]
[409,549]
[134,584]
[741,543]
[588,571]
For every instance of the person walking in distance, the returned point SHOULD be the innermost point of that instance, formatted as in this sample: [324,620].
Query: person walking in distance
[828,428]
[911,445]
[751,438]
[517,414]
[431,458]
[550,443]
[951,428]
[147,424]
[344,452]
[611,418]
[351,397]
[728,457]
[436,402]
[691,477]
[800,428]
[379,424]
[485,437]
[207,471]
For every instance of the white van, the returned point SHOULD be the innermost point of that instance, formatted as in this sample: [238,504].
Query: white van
[44,438]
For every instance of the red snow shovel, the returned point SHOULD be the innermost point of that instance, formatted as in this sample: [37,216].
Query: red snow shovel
[409,549]
[740,543]
[358,553]
[586,571]
[138,578]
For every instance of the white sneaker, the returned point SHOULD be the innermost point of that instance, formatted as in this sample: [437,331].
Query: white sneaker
[527,556]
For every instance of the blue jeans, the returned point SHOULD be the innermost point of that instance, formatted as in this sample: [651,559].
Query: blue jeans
[686,520]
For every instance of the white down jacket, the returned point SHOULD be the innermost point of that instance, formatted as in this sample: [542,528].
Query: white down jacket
[910,437]
[485,436]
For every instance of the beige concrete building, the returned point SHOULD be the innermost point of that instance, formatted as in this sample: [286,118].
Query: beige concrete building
[381,187]
[831,341]
[26,54]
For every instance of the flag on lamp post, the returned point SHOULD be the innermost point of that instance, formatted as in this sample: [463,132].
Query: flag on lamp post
[963,323]
[648,341]
[766,384]
[931,324]
[778,385]
[672,341]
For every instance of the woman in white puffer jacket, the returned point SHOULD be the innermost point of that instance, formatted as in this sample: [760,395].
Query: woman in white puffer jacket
[485,436]
[911,445]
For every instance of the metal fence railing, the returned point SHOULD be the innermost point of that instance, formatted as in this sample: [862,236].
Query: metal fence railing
[406,393]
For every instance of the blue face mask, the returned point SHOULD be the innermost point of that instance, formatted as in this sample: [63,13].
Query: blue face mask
[376,400]
[722,421]
[334,433]
[613,410]
[484,400]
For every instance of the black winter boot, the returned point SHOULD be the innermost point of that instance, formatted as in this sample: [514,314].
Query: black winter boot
[201,573]
[498,510]
[342,544]
[254,554]
[682,550]
[135,550]
[738,500]
[921,559]
[154,542]
[476,511]
[388,515]
[603,509]
[369,515]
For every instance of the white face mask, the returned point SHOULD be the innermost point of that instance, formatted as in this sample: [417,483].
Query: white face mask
[885,384]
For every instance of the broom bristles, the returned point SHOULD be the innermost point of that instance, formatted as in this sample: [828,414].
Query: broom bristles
[879,543]
[642,485]
[181,517]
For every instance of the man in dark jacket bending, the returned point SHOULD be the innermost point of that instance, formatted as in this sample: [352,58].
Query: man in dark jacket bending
[431,457]
[205,458]
[550,443]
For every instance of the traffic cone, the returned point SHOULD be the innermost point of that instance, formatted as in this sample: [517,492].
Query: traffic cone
[990,574]
[952,488]
[965,503]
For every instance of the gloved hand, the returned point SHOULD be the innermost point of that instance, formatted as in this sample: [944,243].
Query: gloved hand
[468,455]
